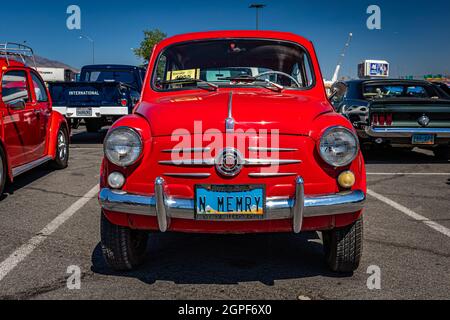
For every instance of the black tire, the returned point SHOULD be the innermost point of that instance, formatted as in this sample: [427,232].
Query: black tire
[3,171]
[123,249]
[343,247]
[442,152]
[93,125]
[62,150]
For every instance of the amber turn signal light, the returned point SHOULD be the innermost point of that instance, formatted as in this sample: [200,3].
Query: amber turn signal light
[347,179]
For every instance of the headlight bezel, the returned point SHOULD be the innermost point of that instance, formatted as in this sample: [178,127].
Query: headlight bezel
[348,131]
[133,132]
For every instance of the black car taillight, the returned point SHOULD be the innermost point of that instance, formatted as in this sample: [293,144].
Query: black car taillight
[381,119]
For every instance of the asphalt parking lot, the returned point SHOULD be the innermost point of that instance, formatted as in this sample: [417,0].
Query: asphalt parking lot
[49,221]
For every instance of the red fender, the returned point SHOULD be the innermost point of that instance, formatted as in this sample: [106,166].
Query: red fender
[56,121]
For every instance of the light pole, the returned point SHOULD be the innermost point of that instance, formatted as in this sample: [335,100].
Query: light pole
[93,46]
[257,7]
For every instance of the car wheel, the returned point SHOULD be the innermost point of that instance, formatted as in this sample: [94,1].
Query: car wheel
[93,125]
[3,171]
[123,249]
[343,247]
[442,152]
[62,150]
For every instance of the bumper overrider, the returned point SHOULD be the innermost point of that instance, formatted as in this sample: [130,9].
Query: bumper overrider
[164,207]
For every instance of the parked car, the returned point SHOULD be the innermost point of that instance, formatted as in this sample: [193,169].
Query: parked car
[31,133]
[104,94]
[237,154]
[406,113]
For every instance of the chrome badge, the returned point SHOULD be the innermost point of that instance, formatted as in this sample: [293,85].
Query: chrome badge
[424,121]
[229,163]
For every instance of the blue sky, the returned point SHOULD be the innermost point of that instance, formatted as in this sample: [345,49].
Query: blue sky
[414,37]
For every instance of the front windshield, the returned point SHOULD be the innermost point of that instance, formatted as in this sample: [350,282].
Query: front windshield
[226,62]
[385,91]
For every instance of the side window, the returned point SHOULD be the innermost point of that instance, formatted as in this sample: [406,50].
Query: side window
[15,87]
[39,88]
[161,69]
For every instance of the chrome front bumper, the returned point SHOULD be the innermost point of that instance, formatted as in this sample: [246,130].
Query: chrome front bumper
[298,208]
[406,132]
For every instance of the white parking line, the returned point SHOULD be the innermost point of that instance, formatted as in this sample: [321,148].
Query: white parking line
[408,174]
[410,213]
[21,253]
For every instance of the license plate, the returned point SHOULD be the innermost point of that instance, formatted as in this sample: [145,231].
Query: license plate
[84,112]
[230,202]
[424,139]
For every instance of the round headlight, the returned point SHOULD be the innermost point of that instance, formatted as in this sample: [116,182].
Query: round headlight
[338,146]
[123,146]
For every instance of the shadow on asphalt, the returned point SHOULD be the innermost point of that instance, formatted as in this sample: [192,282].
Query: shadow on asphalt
[226,259]
[26,179]
[401,156]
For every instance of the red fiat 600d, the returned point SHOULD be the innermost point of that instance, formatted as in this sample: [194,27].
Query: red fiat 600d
[233,134]
[31,133]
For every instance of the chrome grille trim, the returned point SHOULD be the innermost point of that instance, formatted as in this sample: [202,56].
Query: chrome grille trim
[188,175]
[212,162]
[261,149]
[187,150]
[271,175]
[193,162]
[268,162]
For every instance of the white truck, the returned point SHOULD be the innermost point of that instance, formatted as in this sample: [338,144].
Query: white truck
[56,74]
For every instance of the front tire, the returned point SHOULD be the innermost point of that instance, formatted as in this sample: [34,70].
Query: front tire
[62,150]
[343,247]
[123,249]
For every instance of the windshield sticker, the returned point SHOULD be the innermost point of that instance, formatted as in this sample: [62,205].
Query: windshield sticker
[183,74]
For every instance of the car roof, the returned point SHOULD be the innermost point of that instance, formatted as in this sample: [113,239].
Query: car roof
[221,34]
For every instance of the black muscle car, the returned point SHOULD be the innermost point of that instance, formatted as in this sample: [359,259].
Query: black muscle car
[408,113]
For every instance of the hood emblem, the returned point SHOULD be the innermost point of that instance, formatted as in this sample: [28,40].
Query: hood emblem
[229,122]
[229,163]
[424,121]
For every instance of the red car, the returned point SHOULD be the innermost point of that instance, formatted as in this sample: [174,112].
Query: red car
[233,134]
[31,134]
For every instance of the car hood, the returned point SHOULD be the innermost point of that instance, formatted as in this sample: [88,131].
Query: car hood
[197,113]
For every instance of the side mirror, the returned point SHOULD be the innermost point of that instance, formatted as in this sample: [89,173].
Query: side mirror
[18,104]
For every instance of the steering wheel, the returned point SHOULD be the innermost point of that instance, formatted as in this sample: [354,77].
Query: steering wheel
[280,73]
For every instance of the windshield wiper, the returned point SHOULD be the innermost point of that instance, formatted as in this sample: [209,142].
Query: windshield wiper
[190,80]
[272,85]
